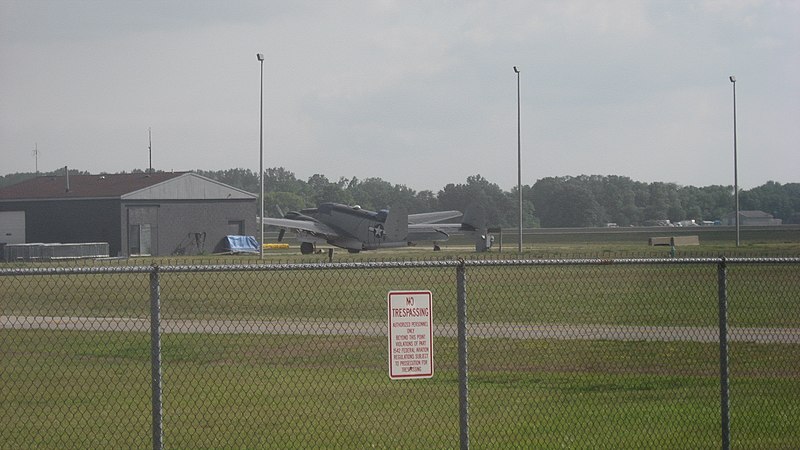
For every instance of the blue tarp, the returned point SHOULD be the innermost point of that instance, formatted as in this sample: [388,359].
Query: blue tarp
[241,244]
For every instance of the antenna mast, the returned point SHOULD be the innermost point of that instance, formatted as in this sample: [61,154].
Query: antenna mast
[36,155]
[150,149]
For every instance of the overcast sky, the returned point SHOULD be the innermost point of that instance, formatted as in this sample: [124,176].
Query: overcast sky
[416,93]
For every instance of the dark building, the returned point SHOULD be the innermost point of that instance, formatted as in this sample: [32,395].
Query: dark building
[751,219]
[136,214]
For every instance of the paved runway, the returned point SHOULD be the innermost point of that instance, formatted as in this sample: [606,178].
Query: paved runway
[587,332]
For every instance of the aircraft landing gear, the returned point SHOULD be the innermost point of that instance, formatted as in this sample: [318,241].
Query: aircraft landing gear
[306,248]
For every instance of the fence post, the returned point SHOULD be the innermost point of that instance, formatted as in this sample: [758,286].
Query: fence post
[463,375]
[722,279]
[155,356]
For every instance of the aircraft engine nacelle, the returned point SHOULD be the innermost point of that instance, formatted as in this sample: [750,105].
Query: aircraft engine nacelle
[483,241]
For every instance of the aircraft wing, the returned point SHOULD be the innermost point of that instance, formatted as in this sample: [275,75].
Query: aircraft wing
[432,232]
[433,217]
[308,226]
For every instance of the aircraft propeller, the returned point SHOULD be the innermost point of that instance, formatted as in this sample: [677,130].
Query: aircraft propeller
[282,230]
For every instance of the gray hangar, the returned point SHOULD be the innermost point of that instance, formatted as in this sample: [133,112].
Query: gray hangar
[155,214]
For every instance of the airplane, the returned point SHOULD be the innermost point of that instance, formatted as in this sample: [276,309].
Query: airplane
[356,229]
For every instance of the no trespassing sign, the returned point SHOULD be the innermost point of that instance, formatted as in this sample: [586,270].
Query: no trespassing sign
[410,318]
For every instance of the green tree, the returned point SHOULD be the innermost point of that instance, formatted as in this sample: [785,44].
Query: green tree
[567,202]
[376,194]
[277,202]
[483,203]
[322,190]
[244,179]
[278,179]
[782,201]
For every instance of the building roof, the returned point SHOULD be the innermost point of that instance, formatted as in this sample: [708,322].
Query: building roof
[141,186]
[752,214]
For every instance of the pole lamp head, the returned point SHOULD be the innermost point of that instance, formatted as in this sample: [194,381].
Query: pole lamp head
[260,56]
[733,79]
[516,69]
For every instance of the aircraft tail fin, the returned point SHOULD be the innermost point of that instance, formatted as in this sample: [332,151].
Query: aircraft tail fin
[476,222]
[474,219]
[396,224]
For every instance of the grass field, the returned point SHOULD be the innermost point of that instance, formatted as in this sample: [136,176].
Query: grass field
[672,295]
[66,389]
[279,392]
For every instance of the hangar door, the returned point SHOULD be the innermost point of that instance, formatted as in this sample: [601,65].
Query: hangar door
[143,230]
[12,227]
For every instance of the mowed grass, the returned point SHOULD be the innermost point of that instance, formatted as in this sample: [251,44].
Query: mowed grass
[763,295]
[67,389]
[82,389]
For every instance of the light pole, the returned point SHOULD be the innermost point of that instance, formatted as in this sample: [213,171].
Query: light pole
[519,162]
[260,57]
[735,164]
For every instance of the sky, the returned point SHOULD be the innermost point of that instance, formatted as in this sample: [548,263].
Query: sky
[417,93]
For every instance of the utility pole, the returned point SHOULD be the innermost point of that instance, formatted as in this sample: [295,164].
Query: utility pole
[519,161]
[735,162]
[260,57]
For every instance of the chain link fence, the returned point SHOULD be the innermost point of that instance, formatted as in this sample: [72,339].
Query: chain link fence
[678,353]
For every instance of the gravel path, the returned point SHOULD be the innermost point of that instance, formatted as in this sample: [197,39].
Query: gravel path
[588,332]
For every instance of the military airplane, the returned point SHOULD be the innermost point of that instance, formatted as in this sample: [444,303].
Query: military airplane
[356,229]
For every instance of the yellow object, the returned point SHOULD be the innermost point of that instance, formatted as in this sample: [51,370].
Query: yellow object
[274,246]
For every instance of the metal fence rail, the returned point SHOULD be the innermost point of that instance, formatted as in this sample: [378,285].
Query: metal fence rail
[50,251]
[624,353]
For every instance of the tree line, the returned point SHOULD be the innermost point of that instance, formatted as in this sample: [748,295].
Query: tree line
[581,201]
[568,201]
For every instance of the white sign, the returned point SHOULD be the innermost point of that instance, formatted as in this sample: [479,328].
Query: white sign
[410,315]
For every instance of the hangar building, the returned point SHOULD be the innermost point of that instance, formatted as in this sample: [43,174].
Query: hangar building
[155,214]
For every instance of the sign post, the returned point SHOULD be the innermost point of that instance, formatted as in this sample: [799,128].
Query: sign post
[410,317]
